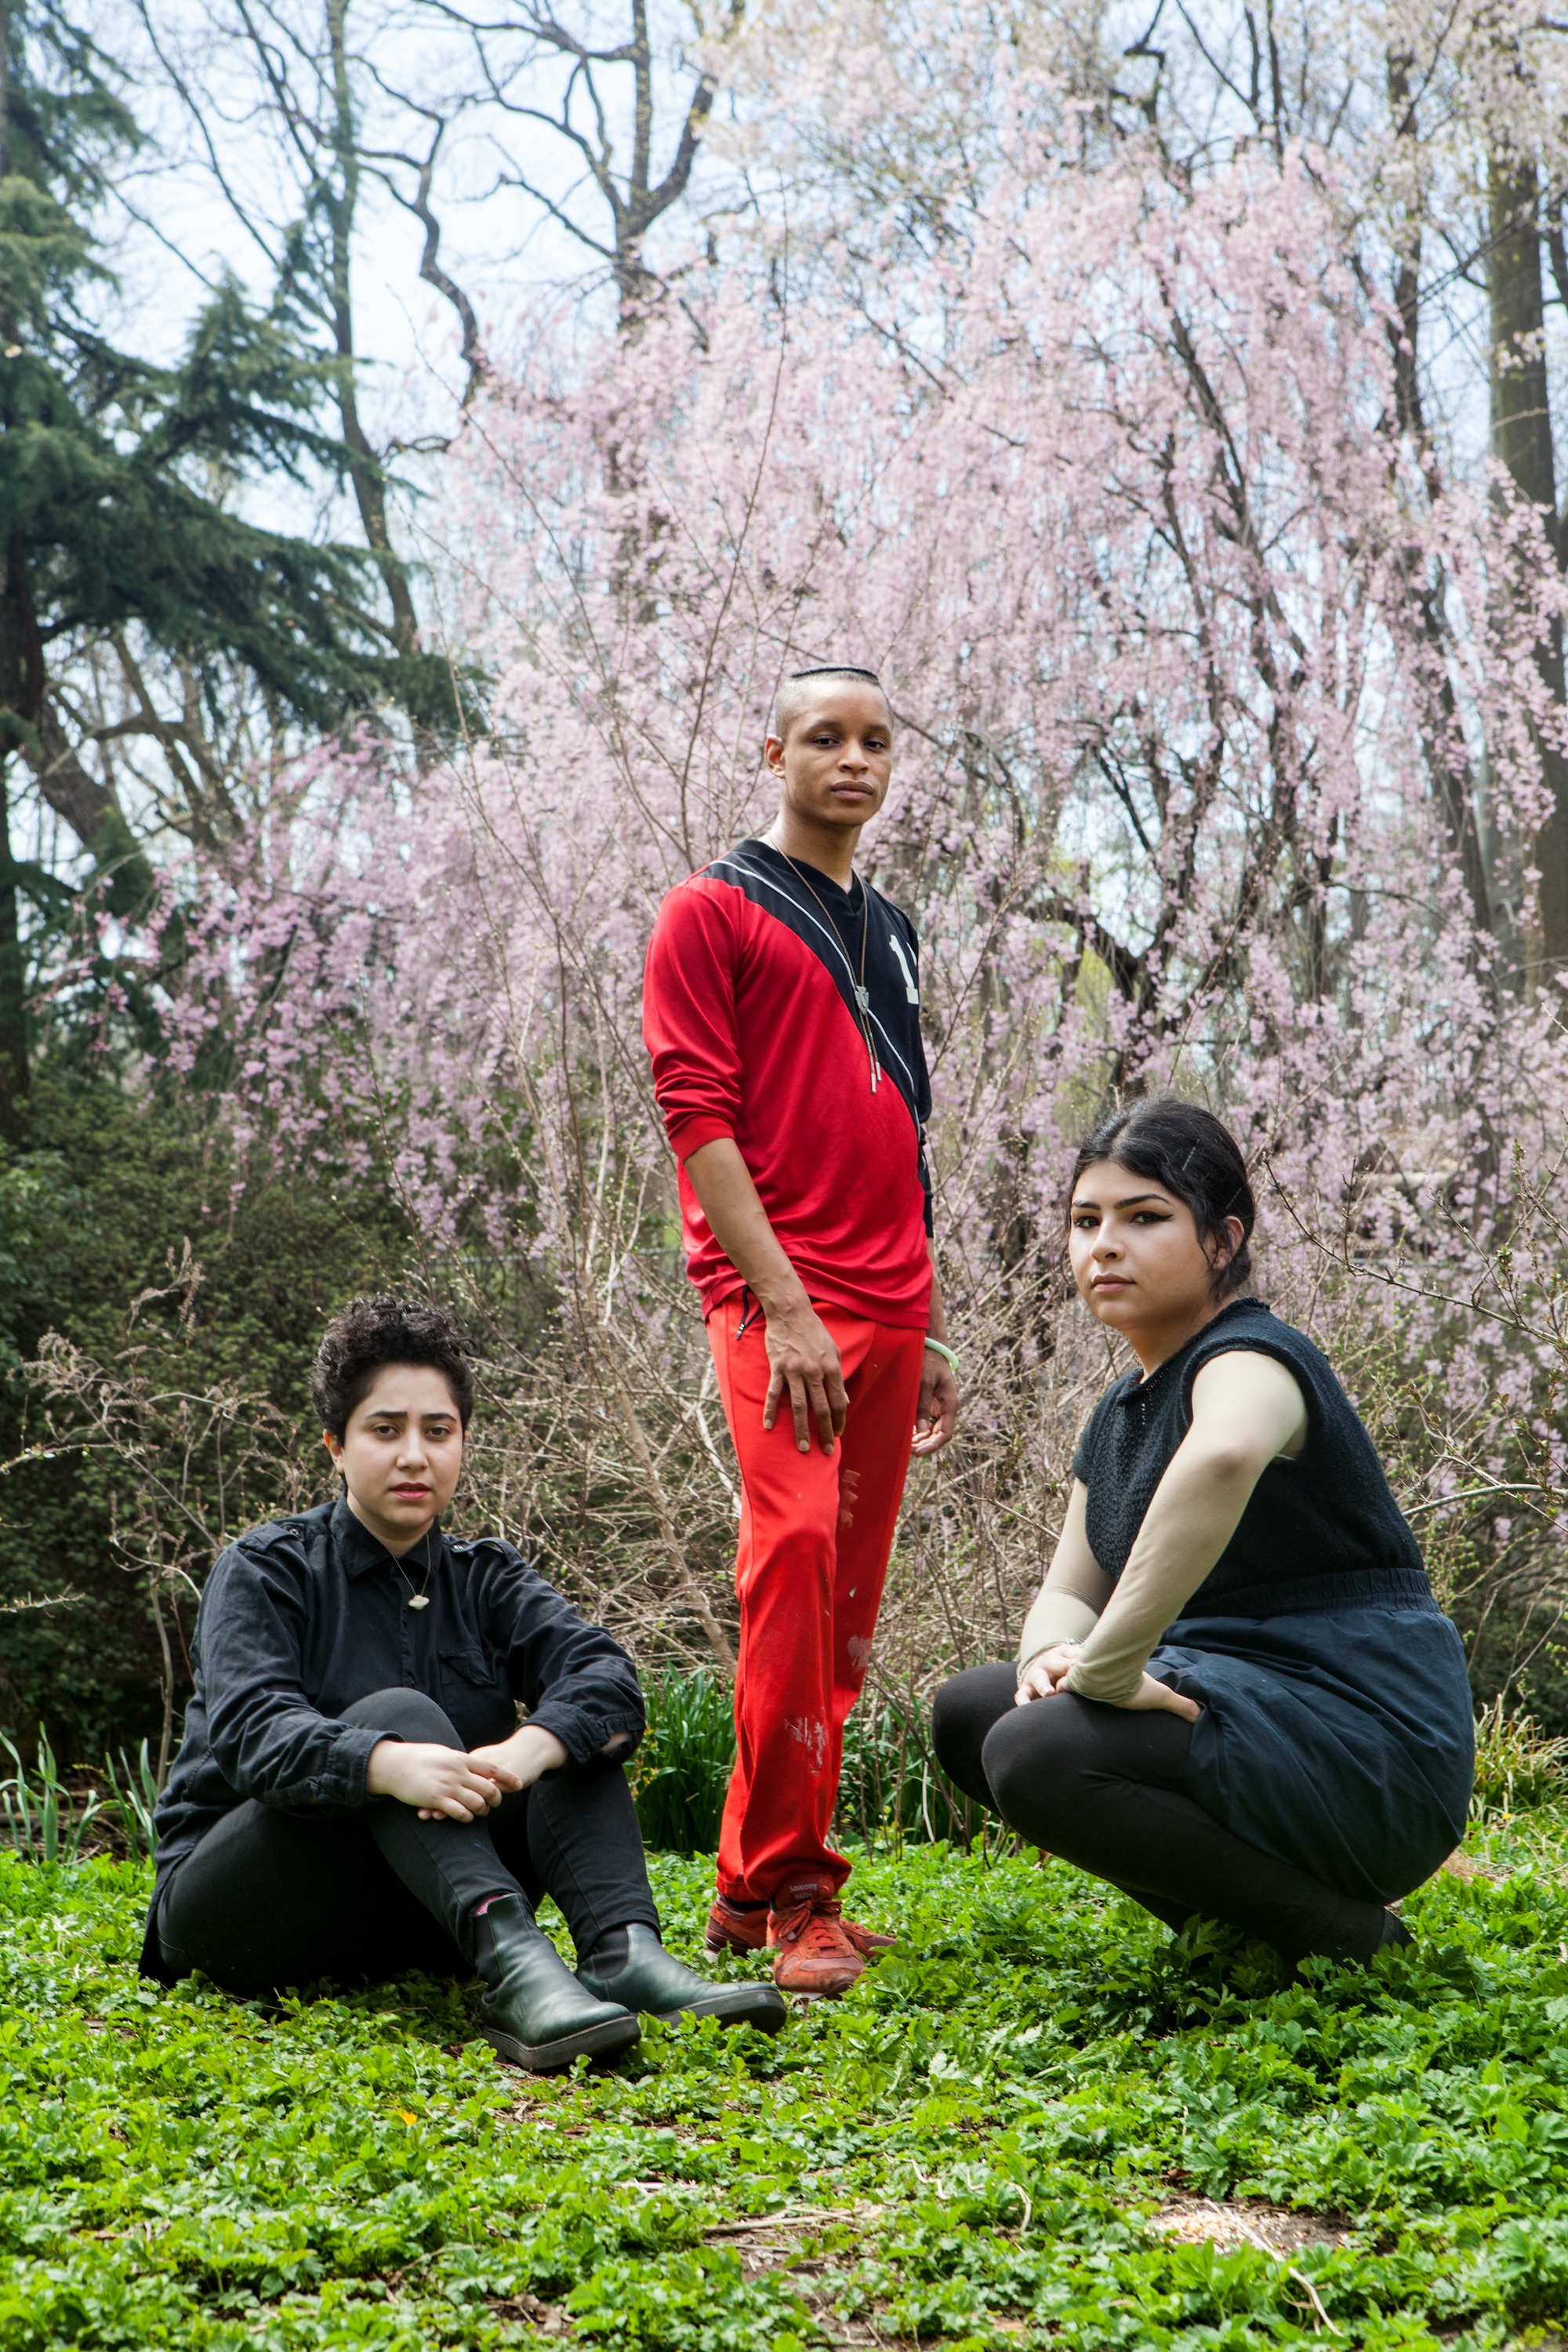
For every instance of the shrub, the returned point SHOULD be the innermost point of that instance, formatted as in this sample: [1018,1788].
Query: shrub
[891,1784]
[683,1765]
[130,1236]
[1516,1766]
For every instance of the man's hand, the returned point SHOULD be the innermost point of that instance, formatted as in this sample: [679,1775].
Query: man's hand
[442,1782]
[802,1358]
[1044,1675]
[804,1361]
[936,1415]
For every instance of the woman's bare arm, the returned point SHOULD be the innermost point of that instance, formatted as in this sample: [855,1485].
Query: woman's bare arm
[1076,1590]
[1248,1410]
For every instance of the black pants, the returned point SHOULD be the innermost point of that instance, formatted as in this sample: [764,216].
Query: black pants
[272,1898]
[1101,1786]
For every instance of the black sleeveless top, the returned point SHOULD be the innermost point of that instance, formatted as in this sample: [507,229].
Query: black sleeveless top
[1321,1532]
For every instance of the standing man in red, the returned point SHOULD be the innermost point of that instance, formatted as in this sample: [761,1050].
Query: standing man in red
[782,1012]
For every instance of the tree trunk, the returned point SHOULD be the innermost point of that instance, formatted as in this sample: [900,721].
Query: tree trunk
[21,699]
[370,491]
[1521,440]
[1521,409]
[1407,338]
[14,1070]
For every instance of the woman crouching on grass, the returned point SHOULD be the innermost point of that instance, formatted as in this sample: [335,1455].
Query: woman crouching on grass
[354,1797]
[1235,1695]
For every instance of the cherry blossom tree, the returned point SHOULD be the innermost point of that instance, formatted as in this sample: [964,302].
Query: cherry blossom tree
[1202,681]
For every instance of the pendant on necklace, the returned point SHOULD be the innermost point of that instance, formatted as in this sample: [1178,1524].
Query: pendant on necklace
[863,999]
[420,1600]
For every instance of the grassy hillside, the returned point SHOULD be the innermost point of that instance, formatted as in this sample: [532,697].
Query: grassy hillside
[1039,2121]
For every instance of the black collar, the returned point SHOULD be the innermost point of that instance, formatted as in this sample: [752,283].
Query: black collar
[1137,1386]
[359,1551]
[853,899]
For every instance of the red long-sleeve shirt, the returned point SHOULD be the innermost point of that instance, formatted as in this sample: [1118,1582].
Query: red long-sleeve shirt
[752,1016]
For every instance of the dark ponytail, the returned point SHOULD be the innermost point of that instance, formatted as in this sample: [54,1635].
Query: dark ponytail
[1189,1152]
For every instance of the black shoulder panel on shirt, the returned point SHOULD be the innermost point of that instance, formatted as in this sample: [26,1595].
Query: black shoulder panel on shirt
[896,915]
[262,1541]
[468,1548]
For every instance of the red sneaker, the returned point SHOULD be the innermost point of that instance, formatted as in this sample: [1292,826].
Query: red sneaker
[736,1926]
[745,1927]
[815,1954]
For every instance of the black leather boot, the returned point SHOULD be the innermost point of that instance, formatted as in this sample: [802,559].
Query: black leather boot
[632,1967]
[537,2014]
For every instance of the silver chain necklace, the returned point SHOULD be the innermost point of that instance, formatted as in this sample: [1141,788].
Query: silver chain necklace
[862,995]
[420,1599]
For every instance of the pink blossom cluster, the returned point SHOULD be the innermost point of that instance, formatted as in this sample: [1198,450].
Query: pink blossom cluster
[1197,681]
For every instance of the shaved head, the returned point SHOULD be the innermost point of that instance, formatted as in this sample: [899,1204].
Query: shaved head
[805,687]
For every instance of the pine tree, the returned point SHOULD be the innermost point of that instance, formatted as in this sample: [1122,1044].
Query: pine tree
[107,514]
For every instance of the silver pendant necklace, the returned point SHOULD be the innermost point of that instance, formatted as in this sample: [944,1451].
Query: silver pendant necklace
[858,980]
[420,1599]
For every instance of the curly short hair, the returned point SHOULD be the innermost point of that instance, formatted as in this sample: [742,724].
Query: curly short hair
[370,1333]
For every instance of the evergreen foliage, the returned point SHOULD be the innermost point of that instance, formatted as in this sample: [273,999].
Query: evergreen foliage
[118,482]
[95,1214]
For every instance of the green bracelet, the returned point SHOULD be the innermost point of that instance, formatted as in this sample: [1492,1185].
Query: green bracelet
[941,1349]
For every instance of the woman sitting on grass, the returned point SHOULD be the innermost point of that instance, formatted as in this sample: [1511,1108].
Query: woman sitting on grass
[353,1796]
[1235,1695]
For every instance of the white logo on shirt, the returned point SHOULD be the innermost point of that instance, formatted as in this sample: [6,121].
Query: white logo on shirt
[911,992]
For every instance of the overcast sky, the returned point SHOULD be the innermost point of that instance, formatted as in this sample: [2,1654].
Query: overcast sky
[180,230]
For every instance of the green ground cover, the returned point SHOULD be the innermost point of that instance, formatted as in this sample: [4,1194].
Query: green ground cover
[976,2149]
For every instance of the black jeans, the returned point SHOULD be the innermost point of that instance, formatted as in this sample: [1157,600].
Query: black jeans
[272,1898]
[1101,1786]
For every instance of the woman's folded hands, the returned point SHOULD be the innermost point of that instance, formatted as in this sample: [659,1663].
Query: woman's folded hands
[1047,1673]
[439,1781]
[447,1783]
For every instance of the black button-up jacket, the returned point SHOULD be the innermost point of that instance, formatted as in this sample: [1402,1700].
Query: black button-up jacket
[304,1616]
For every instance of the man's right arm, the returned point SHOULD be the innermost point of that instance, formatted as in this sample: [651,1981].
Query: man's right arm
[693,1038]
[802,1357]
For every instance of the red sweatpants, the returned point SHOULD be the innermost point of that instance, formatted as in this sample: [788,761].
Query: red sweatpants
[816,1533]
